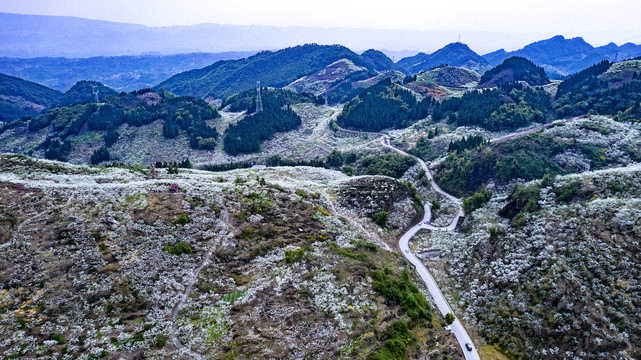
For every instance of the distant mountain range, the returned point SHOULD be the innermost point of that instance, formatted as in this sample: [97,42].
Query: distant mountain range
[122,73]
[560,56]
[27,36]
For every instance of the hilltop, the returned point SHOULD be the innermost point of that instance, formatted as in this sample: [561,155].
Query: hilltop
[514,69]
[455,54]
[443,81]
[83,92]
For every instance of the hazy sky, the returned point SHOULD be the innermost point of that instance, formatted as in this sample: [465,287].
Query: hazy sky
[596,20]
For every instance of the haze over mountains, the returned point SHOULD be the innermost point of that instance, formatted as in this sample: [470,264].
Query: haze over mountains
[34,36]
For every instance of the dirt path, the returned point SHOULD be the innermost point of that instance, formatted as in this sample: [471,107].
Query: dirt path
[190,284]
[541,127]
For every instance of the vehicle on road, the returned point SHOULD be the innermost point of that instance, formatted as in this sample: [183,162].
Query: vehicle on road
[468,346]
[448,328]
[407,251]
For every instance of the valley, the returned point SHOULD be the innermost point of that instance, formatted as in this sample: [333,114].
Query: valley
[313,202]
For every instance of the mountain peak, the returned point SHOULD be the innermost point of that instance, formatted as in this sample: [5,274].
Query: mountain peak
[456,54]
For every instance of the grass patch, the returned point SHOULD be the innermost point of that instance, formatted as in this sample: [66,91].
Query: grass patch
[489,352]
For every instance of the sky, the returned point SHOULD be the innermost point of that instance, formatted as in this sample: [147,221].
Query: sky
[598,21]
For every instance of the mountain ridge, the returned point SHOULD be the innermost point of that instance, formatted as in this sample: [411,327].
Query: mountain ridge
[561,56]
[455,54]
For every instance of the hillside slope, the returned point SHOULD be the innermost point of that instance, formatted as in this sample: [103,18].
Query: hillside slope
[566,270]
[20,98]
[321,81]
[242,264]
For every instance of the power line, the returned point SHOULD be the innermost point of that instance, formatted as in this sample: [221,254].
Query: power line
[259,98]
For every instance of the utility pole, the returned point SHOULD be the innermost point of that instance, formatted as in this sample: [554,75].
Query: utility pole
[259,99]
[96,94]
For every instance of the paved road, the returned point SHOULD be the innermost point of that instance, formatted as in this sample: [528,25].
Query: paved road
[441,303]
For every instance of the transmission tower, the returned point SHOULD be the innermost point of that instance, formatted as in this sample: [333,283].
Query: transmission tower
[259,99]
[96,94]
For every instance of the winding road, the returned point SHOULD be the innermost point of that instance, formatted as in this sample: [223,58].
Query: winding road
[441,303]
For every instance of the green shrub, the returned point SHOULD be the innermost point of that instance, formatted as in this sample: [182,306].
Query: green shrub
[349,171]
[396,346]
[347,252]
[568,192]
[414,195]
[59,338]
[392,165]
[178,249]
[380,218]
[402,291]
[449,318]
[183,219]
[161,340]
[523,199]
[366,245]
[476,201]
[292,256]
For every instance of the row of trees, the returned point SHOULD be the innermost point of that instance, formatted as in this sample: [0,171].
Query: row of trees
[469,142]
[247,134]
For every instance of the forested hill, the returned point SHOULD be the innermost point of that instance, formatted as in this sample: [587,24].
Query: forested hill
[384,106]
[82,92]
[225,78]
[20,98]
[514,69]
[378,60]
[246,135]
[455,54]
[605,88]
[57,131]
